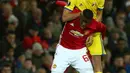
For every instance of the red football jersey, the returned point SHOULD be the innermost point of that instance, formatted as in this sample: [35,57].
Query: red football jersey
[74,37]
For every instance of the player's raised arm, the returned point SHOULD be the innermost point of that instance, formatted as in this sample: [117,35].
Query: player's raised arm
[100,10]
[67,13]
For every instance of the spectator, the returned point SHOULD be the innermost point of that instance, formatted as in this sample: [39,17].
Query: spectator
[10,41]
[41,58]
[20,61]
[120,23]
[127,62]
[9,56]
[127,4]
[21,13]
[48,10]
[119,4]
[9,21]
[121,48]
[34,5]
[31,38]
[37,56]
[127,28]
[35,18]
[117,63]
[109,10]
[13,3]
[56,24]
[112,39]
[110,25]
[46,38]
[6,69]
[28,67]
[47,62]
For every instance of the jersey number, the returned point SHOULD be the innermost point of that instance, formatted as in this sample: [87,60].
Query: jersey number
[85,58]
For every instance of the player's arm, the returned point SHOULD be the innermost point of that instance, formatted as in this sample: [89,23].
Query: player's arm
[100,10]
[96,59]
[97,65]
[99,15]
[67,15]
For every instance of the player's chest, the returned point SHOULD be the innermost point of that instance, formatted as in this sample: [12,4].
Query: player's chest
[75,29]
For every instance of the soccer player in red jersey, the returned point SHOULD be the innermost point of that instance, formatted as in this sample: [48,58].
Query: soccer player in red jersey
[72,10]
[71,49]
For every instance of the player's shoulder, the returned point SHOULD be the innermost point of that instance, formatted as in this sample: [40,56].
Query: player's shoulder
[97,24]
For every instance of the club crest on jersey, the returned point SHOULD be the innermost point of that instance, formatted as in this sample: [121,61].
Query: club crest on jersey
[76,33]
[81,4]
[54,66]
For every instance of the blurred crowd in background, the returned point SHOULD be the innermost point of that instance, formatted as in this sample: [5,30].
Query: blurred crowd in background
[30,31]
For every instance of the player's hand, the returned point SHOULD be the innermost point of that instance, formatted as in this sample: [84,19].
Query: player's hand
[89,41]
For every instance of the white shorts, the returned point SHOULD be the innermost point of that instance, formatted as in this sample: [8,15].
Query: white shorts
[78,59]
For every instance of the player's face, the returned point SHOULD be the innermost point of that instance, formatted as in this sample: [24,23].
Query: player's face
[84,21]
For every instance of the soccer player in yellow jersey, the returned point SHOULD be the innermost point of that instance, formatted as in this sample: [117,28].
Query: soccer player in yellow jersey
[96,49]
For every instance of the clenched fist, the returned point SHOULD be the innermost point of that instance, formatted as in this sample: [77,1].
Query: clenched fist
[89,41]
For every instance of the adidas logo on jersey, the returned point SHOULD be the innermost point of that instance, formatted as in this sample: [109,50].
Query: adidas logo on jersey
[94,4]
[81,4]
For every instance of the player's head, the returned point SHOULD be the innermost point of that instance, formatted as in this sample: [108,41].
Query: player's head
[86,16]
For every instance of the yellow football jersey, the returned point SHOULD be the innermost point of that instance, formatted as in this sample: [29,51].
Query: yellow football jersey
[97,47]
[86,4]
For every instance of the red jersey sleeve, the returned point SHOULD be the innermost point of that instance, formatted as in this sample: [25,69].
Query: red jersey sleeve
[101,28]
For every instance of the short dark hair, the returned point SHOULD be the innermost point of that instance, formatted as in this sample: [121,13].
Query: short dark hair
[88,13]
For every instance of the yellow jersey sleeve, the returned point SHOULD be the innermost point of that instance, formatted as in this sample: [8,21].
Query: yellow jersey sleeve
[71,4]
[97,47]
[101,4]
